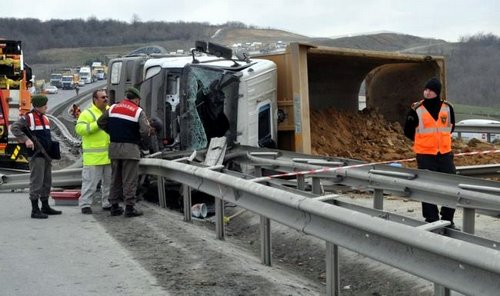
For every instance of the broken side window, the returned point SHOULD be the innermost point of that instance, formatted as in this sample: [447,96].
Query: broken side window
[207,92]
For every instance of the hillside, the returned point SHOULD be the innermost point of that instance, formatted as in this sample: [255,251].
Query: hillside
[382,41]
[240,35]
[473,65]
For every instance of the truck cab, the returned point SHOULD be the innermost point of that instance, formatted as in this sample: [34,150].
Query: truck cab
[56,79]
[204,96]
[67,82]
[85,74]
[100,75]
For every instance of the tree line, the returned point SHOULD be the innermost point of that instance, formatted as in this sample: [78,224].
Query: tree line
[473,71]
[96,33]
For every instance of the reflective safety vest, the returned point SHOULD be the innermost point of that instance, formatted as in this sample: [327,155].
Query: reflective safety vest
[95,141]
[123,122]
[39,126]
[433,136]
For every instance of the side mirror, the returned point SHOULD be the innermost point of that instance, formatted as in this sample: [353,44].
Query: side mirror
[220,51]
[214,49]
[200,46]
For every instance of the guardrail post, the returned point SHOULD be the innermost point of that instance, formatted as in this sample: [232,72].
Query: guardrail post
[469,220]
[316,185]
[186,198]
[219,219]
[301,182]
[265,232]
[440,290]
[162,199]
[265,241]
[258,171]
[332,270]
[378,199]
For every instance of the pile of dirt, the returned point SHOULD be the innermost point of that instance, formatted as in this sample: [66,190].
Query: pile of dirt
[367,135]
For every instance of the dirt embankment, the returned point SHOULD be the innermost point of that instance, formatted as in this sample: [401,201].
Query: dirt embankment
[367,135]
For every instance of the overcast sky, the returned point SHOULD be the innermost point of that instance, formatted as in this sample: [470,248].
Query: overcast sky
[442,19]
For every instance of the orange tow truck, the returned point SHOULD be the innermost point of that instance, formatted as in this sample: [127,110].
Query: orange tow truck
[15,101]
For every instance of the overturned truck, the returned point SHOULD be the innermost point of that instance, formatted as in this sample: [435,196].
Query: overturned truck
[267,100]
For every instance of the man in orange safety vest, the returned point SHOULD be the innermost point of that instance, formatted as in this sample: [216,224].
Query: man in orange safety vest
[429,124]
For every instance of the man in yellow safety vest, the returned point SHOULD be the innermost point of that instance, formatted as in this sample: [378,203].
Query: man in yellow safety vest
[95,145]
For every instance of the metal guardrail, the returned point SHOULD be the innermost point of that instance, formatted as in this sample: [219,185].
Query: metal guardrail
[462,262]
[76,142]
[488,129]
[487,170]
[444,189]
[459,265]
[477,128]
[60,178]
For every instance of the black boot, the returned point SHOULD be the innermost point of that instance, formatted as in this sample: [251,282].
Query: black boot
[46,209]
[130,211]
[35,211]
[116,210]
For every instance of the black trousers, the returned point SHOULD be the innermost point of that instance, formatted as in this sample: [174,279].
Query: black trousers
[439,163]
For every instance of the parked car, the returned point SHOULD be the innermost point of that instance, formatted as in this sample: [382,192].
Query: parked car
[50,89]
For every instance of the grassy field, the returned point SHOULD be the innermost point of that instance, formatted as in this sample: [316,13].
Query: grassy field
[58,58]
[474,112]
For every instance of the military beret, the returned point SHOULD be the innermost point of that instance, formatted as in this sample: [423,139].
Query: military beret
[134,92]
[39,101]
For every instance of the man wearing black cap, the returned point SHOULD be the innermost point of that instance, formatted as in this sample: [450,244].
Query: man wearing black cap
[127,126]
[33,130]
[429,124]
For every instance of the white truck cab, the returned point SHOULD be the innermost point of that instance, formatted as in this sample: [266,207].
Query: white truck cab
[85,74]
[200,97]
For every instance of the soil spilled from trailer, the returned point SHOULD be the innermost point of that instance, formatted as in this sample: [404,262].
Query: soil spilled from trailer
[367,135]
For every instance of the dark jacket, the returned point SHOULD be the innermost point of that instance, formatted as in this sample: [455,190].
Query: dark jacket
[36,127]
[433,106]
[125,149]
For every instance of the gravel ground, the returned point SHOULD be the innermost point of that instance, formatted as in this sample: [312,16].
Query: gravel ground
[188,260]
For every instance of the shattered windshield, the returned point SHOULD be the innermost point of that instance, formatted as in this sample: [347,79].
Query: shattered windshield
[207,93]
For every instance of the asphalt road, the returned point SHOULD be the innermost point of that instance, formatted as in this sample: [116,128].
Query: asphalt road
[65,94]
[70,254]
